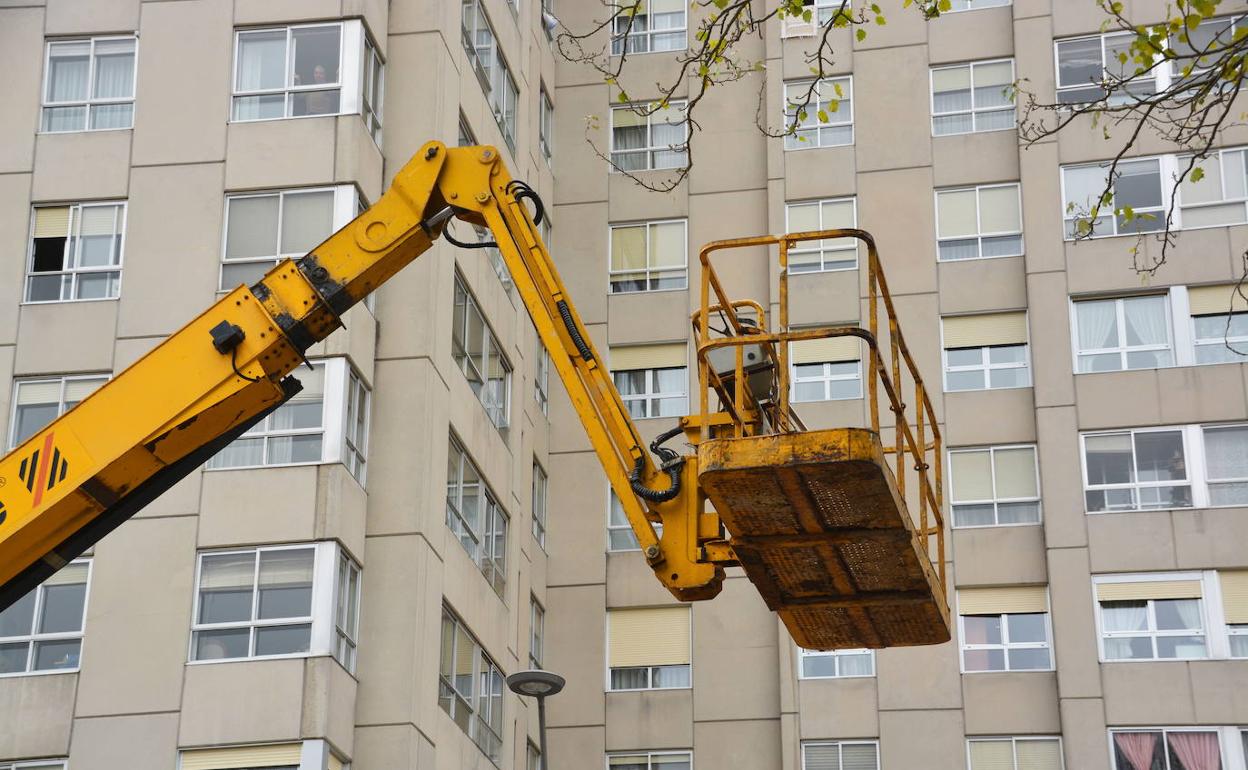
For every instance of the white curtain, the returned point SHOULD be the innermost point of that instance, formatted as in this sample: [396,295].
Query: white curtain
[69,65]
[1189,613]
[1145,320]
[1098,325]
[1226,452]
[114,70]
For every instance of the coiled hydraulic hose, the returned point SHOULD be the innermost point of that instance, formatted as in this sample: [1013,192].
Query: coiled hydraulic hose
[672,463]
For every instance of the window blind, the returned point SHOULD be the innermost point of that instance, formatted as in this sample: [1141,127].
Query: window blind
[648,637]
[628,246]
[1148,589]
[281,755]
[52,222]
[39,393]
[1235,595]
[98,220]
[662,356]
[956,214]
[992,755]
[1039,755]
[77,390]
[667,244]
[1215,300]
[70,574]
[826,349]
[974,331]
[1002,599]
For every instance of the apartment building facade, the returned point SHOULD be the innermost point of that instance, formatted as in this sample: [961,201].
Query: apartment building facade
[320,595]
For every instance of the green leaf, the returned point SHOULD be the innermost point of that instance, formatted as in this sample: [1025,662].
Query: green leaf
[840,93]
[834,105]
[823,116]
[1198,174]
[945,5]
[861,34]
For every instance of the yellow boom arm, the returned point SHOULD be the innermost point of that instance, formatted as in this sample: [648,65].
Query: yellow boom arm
[80,477]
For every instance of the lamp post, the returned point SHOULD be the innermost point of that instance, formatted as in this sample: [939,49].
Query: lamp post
[537,684]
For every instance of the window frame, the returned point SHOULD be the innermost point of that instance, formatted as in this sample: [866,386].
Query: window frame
[480,709]
[971,4]
[1173,344]
[1228,757]
[839,743]
[651,392]
[34,638]
[650,756]
[508,96]
[650,669]
[980,235]
[1006,645]
[1213,628]
[986,366]
[992,450]
[797,144]
[492,565]
[1192,464]
[537,633]
[91,101]
[974,111]
[651,272]
[373,110]
[1161,73]
[347,588]
[541,493]
[541,377]
[1198,342]
[1166,170]
[825,378]
[625,527]
[74,241]
[545,124]
[800,246]
[350,86]
[613,166]
[835,655]
[501,416]
[63,380]
[1014,741]
[648,34]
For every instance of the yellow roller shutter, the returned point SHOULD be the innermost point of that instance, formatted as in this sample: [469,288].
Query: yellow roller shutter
[1215,300]
[280,755]
[39,392]
[992,755]
[52,222]
[648,637]
[826,349]
[973,331]
[1148,589]
[1235,595]
[648,356]
[1002,599]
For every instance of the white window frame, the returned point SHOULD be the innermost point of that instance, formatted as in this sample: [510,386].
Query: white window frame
[1014,741]
[840,743]
[493,565]
[804,246]
[1180,353]
[1161,77]
[355,443]
[537,633]
[1240,341]
[974,111]
[980,235]
[620,40]
[347,593]
[372,99]
[64,380]
[1218,156]
[541,378]
[500,413]
[844,102]
[977,5]
[649,757]
[74,241]
[546,124]
[480,709]
[649,669]
[33,638]
[1214,629]
[985,365]
[91,101]
[34,764]
[651,148]
[322,617]
[1167,172]
[502,94]
[1006,645]
[651,271]
[651,392]
[1230,744]
[625,527]
[1193,462]
[835,656]
[350,84]
[995,501]
[314,754]
[541,495]
[826,378]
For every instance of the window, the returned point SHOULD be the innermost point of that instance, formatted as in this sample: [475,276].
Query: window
[1137,186]
[288,72]
[1005,629]
[649,256]
[1120,333]
[986,352]
[648,137]
[546,124]
[978,222]
[347,612]
[487,61]
[1179,749]
[1219,196]
[539,505]
[38,764]
[620,534]
[75,252]
[822,112]
[480,357]
[42,631]
[37,402]
[89,84]
[974,5]
[649,26]
[828,254]
[1086,65]
[284,756]
[828,369]
[1214,35]
[355,451]
[537,632]
[1022,753]
[1234,585]
[1219,317]
[470,687]
[465,138]
[973,97]
[475,517]
[652,379]
[541,377]
[533,759]
[1226,464]
[1135,470]
[994,486]
[263,228]
[840,755]
[374,89]
[836,664]
[648,649]
[651,760]
[1151,617]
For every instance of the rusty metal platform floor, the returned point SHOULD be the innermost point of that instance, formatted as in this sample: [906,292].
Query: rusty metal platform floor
[816,522]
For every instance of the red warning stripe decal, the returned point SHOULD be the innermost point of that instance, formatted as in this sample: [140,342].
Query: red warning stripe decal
[43,468]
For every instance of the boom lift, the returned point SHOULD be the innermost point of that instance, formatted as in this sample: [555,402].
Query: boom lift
[819,520]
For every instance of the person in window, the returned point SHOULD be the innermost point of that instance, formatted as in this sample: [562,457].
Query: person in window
[1180,497]
[318,102]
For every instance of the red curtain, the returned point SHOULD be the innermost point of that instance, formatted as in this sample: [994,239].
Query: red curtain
[1138,748]
[1197,751]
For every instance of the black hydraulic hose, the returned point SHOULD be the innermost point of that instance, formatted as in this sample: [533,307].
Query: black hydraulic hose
[565,313]
[672,464]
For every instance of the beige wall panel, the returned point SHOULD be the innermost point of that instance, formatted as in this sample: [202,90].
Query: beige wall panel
[14,240]
[639,78]
[266,698]
[989,416]
[409,122]
[466,590]
[573,120]
[580,253]
[1131,694]
[907,254]
[6,391]
[405,303]
[629,201]
[647,317]
[999,555]
[742,272]
[1221,689]
[280,153]
[1011,704]
[1209,393]
[66,337]
[389,746]
[827,172]
[576,638]
[128,350]
[121,671]
[21,58]
[822,299]
[752,744]
[1081,142]
[577,520]
[142,742]
[44,707]
[793,52]
[1042,207]
[730,151]
[1083,732]
[376,16]
[329,703]
[734,642]
[922,739]
[975,286]
[183,90]
[918,678]
[455,749]
[570,746]
[1209,538]
[1074,626]
[1105,264]
[340,507]
[150,302]
[87,165]
[1118,399]
[959,37]
[834,414]
[1131,542]
[649,720]
[630,581]
[906,27]
[228,514]
[284,11]
[897,81]
[1048,316]
[838,708]
[357,157]
[1061,476]
[978,158]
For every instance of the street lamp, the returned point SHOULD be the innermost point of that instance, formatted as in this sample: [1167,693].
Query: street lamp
[537,684]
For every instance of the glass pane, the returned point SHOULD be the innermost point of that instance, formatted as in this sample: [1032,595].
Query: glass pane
[1109,459]
[57,654]
[1015,472]
[114,69]
[857,664]
[108,116]
[1029,659]
[1159,456]
[30,420]
[971,475]
[64,118]
[1002,245]
[1084,186]
[1017,377]
[671,676]
[984,660]
[1177,614]
[286,583]
[62,608]
[16,619]
[1125,616]
[1138,184]
[225,587]
[314,102]
[964,357]
[629,678]
[68,67]
[315,55]
[252,227]
[307,219]
[956,214]
[1228,494]
[283,640]
[1181,647]
[243,273]
[1079,62]
[259,107]
[294,449]
[1018,513]
[818,665]
[982,629]
[1007,354]
[1027,627]
[13,657]
[97,285]
[952,124]
[998,210]
[1226,452]
[261,60]
[973,515]
[973,380]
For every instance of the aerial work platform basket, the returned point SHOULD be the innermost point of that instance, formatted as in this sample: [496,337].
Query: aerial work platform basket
[822,521]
